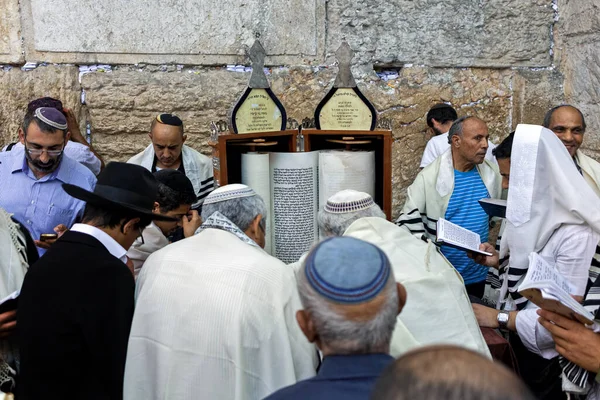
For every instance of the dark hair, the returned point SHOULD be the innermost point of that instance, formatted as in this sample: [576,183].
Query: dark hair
[548,115]
[442,113]
[102,217]
[170,199]
[44,127]
[504,149]
[45,102]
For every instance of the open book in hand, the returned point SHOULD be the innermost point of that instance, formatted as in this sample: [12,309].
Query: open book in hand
[544,286]
[455,236]
[494,207]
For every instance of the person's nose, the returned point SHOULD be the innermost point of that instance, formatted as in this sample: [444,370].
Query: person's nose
[44,157]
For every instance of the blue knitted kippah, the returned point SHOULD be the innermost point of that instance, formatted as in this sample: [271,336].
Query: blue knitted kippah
[347,270]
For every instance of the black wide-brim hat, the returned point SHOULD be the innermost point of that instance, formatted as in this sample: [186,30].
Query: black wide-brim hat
[122,187]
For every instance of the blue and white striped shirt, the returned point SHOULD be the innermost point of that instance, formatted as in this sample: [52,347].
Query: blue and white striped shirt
[464,210]
[41,204]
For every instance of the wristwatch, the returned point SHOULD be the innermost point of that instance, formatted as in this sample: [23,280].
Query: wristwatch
[502,319]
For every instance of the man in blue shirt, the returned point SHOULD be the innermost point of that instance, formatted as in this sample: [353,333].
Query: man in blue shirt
[351,301]
[31,179]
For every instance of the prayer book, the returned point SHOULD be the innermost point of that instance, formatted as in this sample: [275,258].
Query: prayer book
[547,288]
[296,185]
[458,237]
[494,207]
[10,302]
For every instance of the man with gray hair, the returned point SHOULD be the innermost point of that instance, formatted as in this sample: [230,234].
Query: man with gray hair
[214,316]
[433,286]
[351,301]
[451,188]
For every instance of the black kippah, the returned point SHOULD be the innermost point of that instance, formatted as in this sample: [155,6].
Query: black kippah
[169,119]
[175,180]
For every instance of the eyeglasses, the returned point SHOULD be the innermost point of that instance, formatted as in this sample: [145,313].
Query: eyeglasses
[38,152]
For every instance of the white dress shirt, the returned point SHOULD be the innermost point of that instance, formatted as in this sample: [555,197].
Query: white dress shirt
[107,241]
[570,249]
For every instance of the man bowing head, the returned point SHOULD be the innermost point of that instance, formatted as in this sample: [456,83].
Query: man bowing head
[215,314]
[76,302]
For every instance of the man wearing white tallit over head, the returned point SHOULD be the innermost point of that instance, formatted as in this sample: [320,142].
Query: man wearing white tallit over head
[215,314]
[437,309]
[450,188]
[552,211]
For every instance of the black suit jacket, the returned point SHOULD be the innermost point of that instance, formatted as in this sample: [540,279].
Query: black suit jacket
[73,321]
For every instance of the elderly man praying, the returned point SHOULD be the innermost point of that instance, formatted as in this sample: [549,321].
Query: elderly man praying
[214,315]
[351,301]
[434,288]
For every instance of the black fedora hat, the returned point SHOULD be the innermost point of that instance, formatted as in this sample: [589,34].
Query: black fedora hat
[123,187]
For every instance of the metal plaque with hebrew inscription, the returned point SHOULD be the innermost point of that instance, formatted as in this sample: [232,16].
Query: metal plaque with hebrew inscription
[258,112]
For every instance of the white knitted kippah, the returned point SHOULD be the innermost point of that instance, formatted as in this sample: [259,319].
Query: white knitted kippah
[348,201]
[228,192]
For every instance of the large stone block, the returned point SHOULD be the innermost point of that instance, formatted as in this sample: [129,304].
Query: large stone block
[579,17]
[534,93]
[17,88]
[10,32]
[498,33]
[197,32]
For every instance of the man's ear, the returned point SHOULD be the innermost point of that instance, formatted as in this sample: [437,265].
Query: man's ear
[67,137]
[184,139]
[156,208]
[401,296]
[252,231]
[21,136]
[130,225]
[150,135]
[455,140]
[306,326]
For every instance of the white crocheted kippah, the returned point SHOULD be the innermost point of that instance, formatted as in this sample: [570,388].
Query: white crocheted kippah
[228,192]
[348,201]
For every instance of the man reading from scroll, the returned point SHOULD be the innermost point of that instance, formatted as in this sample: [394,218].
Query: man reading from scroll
[215,314]
[451,188]
[417,265]
[168,151]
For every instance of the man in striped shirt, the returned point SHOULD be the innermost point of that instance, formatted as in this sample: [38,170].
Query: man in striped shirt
[168,151]
[450,188]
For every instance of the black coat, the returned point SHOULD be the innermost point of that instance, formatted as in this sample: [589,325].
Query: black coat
[73,321]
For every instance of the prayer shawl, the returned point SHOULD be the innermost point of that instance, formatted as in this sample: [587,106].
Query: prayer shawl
[427,198]
[215,319]
[154,240]
[546,191]
[590,170]
[198,168]
[437,310]
[13,266]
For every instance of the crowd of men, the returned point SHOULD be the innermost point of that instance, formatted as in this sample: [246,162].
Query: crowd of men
[140,280]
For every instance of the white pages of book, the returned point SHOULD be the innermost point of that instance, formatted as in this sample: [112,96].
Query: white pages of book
[547,288]
[340,170]
[456,236]
[294,192]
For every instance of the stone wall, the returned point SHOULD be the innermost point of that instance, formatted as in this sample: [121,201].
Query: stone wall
[506,61]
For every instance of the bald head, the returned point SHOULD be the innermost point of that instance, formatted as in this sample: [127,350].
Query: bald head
[450,373]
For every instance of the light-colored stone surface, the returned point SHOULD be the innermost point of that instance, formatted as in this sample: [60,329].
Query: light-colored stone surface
[174,31]
[534,93]
[17,88]
[579,50]
[10,32]
[498,33]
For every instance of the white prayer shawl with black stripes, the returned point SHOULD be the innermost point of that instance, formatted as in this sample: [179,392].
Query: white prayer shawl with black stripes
[198,168]
[13,266]
[546,191]
[428,196]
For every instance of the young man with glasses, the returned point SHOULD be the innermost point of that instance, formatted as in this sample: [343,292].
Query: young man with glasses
[31,178]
